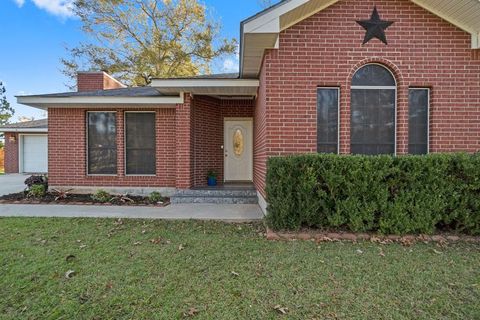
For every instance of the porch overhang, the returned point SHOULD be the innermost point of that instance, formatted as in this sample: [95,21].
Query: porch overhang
[26,130]
[46,102]
[261,31]
[212,87]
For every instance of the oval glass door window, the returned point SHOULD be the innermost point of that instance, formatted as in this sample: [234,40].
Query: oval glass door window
[238,142]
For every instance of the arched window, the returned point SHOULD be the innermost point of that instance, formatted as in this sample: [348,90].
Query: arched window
[373,108]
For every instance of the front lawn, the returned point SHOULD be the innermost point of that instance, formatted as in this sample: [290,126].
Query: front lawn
[169,270]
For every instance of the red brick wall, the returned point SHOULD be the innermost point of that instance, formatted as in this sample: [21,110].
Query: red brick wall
[209,114]
[260,135]
[90,81]
[11,153]
[326,50]
[208,139]
[67,151]
[184,144]
[188,144]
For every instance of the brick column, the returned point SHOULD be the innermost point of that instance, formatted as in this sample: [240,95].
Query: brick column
[11,152]
[184,140]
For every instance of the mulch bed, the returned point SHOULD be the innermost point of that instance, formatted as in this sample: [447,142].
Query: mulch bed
[79,199]
[407,240]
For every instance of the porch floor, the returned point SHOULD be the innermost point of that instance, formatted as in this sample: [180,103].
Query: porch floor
[229,186]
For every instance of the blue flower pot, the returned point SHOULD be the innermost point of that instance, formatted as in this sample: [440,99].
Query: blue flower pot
[212,182]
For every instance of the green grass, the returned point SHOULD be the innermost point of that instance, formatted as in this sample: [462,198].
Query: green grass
[121,274]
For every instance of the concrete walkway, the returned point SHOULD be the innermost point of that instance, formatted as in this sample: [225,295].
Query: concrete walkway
[229,212]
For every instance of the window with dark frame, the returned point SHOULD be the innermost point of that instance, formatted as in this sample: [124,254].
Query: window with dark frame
[102,143]
[373,106]
[327,119]
[418,106]
[140,141]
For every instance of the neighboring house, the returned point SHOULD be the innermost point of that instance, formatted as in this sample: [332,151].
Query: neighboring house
[26,147]
[311,80]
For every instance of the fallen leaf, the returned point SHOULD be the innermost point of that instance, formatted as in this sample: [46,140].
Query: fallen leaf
[236,274]
[192,312]
[437,252]
[83,298]
[181,247]
[144,231]
[156,241]
[137,243]
[83,246]
[382,254]
[281,309]
[69,274]
[359,251]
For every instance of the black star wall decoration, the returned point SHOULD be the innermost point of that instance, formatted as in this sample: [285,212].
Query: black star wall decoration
[375,27]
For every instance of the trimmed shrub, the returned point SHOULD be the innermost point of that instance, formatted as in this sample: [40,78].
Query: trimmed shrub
[155,197]
[37,191]
[390,195]
[102,196]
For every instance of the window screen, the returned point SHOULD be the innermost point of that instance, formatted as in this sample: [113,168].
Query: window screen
[373,101]
[102,143]
[418,101]
[327,120]
[140,143]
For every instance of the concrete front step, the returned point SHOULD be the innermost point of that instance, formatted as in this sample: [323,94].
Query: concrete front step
[216,193]
[219,196]
[217,200]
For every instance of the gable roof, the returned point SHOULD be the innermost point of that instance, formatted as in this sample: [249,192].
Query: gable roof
[261,31]
[26,126]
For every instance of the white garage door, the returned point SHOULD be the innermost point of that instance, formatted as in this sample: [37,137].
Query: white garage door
[35,154]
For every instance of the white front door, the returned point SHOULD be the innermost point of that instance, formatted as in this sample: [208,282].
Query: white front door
[34,151]
[238,148]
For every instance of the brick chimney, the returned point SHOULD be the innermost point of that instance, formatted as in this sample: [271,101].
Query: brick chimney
[91,81]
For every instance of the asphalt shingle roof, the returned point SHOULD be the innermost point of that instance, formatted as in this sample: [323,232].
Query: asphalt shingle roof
[35,124]
[122,92]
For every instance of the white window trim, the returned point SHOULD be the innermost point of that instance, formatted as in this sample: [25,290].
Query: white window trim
[380,88]
[338,115]
[428,114]
[88,174]
[125,145]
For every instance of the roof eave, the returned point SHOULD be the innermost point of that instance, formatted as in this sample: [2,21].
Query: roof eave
[26,130]
[230,87]
[45,102]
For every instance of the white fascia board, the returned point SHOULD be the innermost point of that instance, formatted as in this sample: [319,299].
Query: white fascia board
[266,23]
[476,40]
[28,130]
[199,83]
[39,100]
[272,26]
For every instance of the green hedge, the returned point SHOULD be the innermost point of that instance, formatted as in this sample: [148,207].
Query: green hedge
[390,195]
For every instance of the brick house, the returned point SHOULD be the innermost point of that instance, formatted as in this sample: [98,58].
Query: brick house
[315,76]
[26,146]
